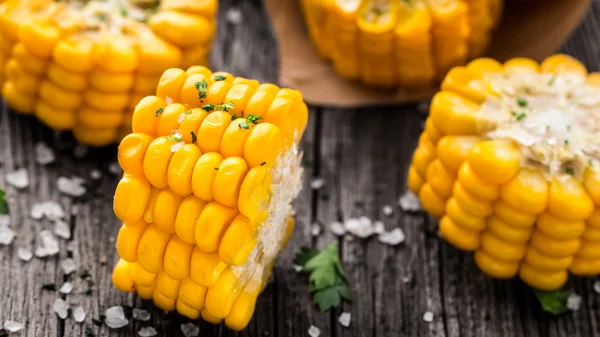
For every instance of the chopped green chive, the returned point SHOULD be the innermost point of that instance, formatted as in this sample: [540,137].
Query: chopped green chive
[175,138]
[547,128]
[225,107]
[49,286]
[521,116]
[201,87]
[570,171]
[216,168]
[159,111]
[220,77]
[552,80]
[194,138]
[566,142]
[521,102]
[263,163]
[253,119]
[208,107]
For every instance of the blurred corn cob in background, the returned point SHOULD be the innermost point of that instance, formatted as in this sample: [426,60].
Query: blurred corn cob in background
[211,169]
[510,163]
[410,43]
[83,65]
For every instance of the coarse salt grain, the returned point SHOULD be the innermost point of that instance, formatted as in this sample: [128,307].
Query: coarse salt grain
[68,266]
[66,288]
[387,210]
[597,287]
[428,316]
[168,100]
[313,331]
[44,155]
[79,314]
[6,236]
[344,319]
[61,308]
[80,150]
[71,186]
[181,117]
[317,183]
[409,202]
[337,228]
[12,326]
[49,209]
[95,174]
[177,146]
[115,168]
[62,229]
[234,16]
[361,227]
[378,227]
[18,178]
[298,268]
[574,302]
[392,238]
[190,330]
[115,317]
[147,331]
[24,254]
[140,314]
[315,229]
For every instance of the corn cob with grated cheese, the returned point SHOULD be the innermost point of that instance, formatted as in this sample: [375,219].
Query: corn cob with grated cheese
[81,65]
[510,162]
[411,43]
[210,171]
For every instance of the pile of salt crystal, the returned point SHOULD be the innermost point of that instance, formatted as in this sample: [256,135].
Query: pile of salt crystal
[115,317]
[44,155]
[48,245]
[72,187]
[190,330]
[18,178]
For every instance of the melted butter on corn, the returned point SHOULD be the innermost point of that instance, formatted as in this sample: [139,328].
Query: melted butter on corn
[552,116]
[508,163]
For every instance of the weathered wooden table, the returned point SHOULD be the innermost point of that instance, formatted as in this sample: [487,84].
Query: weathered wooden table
[362,155]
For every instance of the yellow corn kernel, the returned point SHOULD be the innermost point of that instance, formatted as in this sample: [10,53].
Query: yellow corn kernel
[55,118]
[170,84]
[142,83]
[156,55]
[466,82]
[181,167]
[585,267]
[433,133]
[28,61]
[19,101]
[543,280]
[192,294]
[186,311]
[182,28]
[105,101]
[151,249]
[561,63]
[234,138]
[112,83]
[142,277]
[191,123]
[591,234]
[415,181]
[189,93]
[156,161]
[254,194]
[263,145]
[177,258]
[222,295]
[431,202]
[501,249]
[93,136]
[204,174]
[131,197]
[145,292]
[558,228]
[540,261]
[129,239]
[132,151]
[439,179]
[507,231]
[554,247]
[495,267]
[594,219]
[229,178]
[463,218]
[521,64]
[239,94]
[238,242]
[65,78]
[211,131]
[165,210]
[568,200]
[512,215]
[74,54]
[497,161]
[116,54]
[168,120]
[216,93]
[243,308]
[453,114]
[591,182]
[212,224]
[528,192]
[207,316]
[144,116]
[206,8]
[187,215]
[96,119]
[60,98]
[485,66]
[477,185]
[459,237]
[205,267]
[589,250]
[469,202]
[167,286]
[121,276]
[452,151]
[162,301]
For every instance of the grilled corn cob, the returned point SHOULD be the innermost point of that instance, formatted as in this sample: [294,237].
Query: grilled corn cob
[411,43]
[510,162]
[81,65]
[210,171]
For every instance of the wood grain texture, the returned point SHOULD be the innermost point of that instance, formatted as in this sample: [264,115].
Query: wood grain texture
[361,154]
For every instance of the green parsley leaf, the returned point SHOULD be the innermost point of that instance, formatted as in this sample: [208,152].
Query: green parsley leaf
[189,112]
[521,116]
[253,119]
[159,111]
[263,163]
[591,162]
[208,107]
[3,203]
[175,138]
[570,171]
[566,142]
[220,77]
[101,16]
[225,107]
[49,286]
[554,302]
[216,168]
[244,125]
[123,11]
[201,87]
[552,80]
[521,102]
[327,279]
[194,138]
